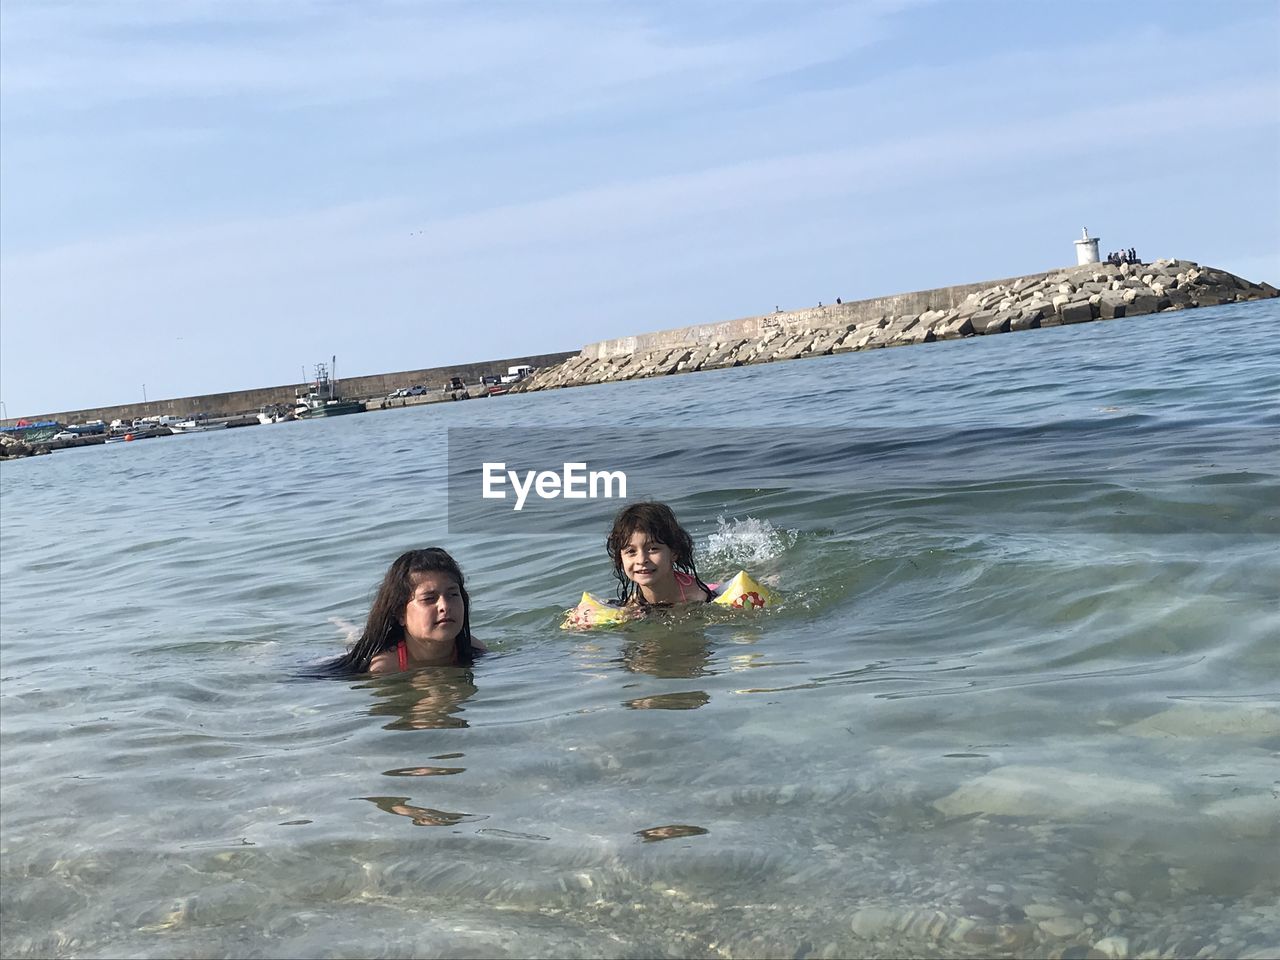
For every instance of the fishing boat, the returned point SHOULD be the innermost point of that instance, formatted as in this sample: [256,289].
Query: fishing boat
[129,434]
[320,398]
[275,413]
[197,426]
[32,432]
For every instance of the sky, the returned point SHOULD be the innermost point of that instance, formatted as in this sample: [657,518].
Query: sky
[209,195]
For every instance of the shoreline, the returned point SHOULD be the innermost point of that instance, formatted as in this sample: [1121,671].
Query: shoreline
[237,403]
[1069,295]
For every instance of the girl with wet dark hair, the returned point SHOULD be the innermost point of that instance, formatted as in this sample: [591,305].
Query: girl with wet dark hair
[421,617]
[653,558]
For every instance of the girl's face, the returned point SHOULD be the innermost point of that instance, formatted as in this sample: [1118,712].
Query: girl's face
[434,612]
[645,561]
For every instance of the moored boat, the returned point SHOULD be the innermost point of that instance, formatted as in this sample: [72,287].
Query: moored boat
[197,426]
[32,432]
[275,413]
[321,398]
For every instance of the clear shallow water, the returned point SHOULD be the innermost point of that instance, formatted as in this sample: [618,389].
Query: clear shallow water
[1021,697]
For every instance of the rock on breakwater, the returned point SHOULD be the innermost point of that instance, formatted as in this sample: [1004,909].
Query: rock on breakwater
[1094,291]
[11,448]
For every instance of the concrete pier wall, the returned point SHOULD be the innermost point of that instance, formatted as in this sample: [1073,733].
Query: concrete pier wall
[235,402]
[1093,291]
[796,321]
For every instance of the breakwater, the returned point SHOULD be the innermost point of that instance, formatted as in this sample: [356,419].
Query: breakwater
[240,402]
[1094,291]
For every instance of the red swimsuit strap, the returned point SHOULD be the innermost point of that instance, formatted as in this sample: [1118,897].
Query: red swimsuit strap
[685,580]
[402,653]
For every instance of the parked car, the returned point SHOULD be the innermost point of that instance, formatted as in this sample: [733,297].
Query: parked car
[417,390]
[92,428]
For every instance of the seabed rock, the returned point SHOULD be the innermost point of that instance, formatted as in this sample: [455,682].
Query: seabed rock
[1051,793]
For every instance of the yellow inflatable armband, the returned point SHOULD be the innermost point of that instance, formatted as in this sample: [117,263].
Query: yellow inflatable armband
[743,592]
[591,612]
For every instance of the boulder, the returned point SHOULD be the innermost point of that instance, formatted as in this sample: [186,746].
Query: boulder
[1030,317]
[825,343]
[896,332]
[698,357]
[779,346]
[1078,311]
[723,356]
[985,323]
[796,348]
[1212,297]
[859,339]
[845,343]
[674,360]
[1111,307]
[1141,304]
[960,327]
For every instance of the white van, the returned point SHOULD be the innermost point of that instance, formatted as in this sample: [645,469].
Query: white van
[516,374]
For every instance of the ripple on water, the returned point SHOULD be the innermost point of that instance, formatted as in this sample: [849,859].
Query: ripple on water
[1013,703]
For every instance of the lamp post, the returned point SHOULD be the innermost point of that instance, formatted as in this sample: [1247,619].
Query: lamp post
[144,393]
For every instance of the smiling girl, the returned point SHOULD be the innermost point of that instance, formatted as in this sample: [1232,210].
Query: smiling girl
[653,558]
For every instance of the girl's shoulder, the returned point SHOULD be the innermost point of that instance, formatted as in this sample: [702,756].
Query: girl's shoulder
[687,580]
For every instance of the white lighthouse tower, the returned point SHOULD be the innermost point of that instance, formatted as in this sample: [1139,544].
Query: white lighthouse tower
[1086,248]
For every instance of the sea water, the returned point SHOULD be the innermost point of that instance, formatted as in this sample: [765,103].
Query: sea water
[1020,697]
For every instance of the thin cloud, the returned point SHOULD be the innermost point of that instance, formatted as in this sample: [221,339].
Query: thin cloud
[73,56]
[384,232]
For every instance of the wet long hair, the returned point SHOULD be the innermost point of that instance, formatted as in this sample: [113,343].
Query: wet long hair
[383,630]
[656,521]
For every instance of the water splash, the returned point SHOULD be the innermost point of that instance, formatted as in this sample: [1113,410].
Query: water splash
[746,543]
